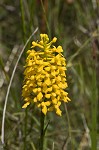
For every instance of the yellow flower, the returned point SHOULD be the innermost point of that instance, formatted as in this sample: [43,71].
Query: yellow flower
[47,95]
[44,76]
[25,105]
[44,110]
[39,96]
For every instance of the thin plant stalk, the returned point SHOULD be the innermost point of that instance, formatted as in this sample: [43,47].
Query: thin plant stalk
[9,86]
[42,132]
[25,129]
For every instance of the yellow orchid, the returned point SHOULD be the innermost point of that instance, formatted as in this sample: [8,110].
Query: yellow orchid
[45,77]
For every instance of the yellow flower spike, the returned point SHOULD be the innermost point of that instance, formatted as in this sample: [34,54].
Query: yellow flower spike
[45,76]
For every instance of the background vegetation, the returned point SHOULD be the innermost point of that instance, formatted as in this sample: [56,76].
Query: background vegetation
[76,25]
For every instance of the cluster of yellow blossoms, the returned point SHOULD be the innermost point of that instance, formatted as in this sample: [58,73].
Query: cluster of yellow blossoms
[45,78]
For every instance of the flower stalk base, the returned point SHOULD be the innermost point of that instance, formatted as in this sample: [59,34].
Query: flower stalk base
[42,133]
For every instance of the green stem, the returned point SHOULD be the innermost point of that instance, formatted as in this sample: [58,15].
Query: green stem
[42,133]
[25,130]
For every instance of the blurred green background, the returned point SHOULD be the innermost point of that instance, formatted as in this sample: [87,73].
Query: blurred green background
[75,23]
